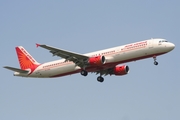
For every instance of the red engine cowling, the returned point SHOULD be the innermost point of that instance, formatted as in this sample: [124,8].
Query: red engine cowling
[121,70]
[96,61]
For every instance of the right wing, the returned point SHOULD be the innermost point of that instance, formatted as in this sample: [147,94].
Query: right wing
[16,69]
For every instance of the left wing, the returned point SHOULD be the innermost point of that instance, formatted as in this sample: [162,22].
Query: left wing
[77,58]
[105,72]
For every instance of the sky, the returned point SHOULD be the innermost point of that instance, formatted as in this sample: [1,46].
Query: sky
[148,92]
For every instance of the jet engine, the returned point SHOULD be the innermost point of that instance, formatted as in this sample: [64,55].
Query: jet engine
[121,70]
[97,61]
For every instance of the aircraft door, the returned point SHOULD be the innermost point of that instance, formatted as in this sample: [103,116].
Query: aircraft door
[151,42]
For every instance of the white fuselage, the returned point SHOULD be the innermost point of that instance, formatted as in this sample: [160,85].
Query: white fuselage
[114,56]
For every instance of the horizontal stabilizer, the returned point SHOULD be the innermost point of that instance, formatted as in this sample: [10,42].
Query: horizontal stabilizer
[16,69]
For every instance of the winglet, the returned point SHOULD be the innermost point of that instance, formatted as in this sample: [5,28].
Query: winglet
[37,45]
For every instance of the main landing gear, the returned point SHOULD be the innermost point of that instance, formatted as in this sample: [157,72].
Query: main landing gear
[85,73]
[100,79]
[155,62]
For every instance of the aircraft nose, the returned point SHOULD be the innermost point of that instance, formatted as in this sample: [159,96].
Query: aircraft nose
[171,46]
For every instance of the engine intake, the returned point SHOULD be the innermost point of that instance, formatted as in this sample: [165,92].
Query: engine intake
[121,70]
[97,61]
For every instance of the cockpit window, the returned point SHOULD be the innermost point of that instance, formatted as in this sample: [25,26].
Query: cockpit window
[163,41]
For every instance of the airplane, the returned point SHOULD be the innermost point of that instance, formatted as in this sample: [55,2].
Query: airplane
[103,62]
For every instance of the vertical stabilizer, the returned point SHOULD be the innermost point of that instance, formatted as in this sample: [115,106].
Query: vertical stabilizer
[26,61]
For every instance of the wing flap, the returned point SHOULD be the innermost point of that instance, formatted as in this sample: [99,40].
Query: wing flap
[16,69]
[105,72]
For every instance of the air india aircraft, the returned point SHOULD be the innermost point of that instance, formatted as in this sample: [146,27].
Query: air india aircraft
[103,62]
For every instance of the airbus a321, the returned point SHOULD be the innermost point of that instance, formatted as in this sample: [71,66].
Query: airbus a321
[103,62]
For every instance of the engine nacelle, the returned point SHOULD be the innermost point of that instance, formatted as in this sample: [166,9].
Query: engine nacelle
[97,61]
[121,70]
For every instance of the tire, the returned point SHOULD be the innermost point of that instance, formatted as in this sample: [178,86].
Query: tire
[155,63]
[84,73]
[100,79]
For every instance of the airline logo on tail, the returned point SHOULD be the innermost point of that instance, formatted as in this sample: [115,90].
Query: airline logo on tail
[26,61]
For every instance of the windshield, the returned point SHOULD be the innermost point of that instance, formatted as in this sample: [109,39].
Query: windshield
[163,41]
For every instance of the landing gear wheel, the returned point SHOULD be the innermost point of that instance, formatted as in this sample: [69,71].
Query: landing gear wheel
[100,79]
[155,63]
[84,73]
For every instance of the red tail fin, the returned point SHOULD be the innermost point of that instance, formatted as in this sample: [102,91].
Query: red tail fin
[25,59]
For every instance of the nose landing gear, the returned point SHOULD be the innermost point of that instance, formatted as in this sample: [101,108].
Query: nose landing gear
[155,62]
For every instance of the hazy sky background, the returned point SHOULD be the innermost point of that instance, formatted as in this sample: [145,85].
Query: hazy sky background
[148,92]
